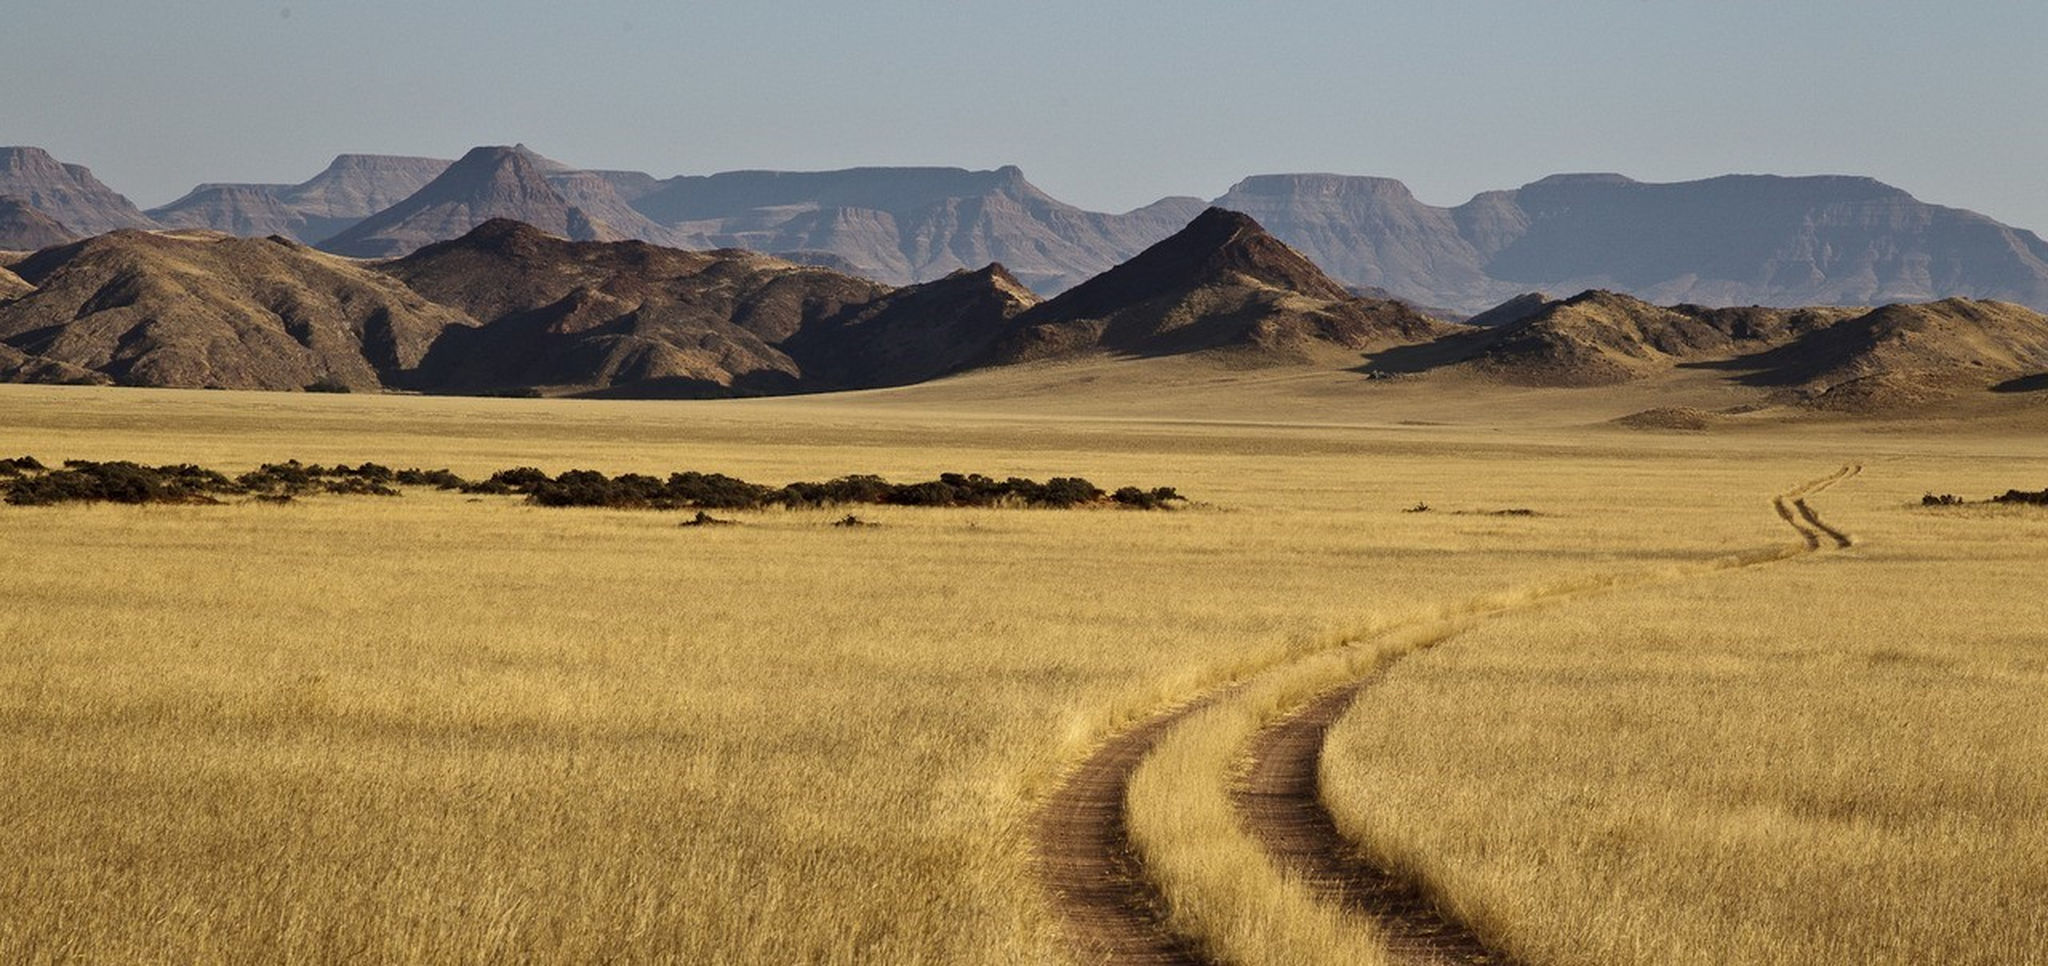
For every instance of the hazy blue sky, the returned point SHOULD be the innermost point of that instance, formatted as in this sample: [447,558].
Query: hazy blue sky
[1105,103]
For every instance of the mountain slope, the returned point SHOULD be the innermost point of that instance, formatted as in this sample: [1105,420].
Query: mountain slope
[249,210]
[626,316]
[23,228]
[66,193]
[160,310]
[12,285]
[1908,355]
[912,334]
[1600,338]
[1733,240]
[1222,282]
[487,183]
[904,225]
[351,188]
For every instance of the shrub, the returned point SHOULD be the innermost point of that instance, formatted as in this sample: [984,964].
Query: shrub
[439,479]
[20,465]
[1143,499]
[715,491]
[2023,497]
[1946,499]
[520,480]
[119,481]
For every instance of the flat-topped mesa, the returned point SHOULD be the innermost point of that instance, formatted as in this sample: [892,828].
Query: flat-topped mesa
[66,193]
[904,225]
[486,183]
[1222,282]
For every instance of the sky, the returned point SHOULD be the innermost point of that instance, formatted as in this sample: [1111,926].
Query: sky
[1109,104]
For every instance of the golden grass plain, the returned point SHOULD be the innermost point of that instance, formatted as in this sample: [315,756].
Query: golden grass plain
[436,729]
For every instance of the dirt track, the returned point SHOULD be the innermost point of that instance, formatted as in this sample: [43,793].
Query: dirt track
[1115,914]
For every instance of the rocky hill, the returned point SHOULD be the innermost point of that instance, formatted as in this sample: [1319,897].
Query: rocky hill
[1902,356]
[1222,282]
[625,316]
[1602,338]
[151,309]
[66,193]
[23,228]
[915,333]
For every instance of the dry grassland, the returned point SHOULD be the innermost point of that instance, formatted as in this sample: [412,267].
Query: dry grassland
[1837,759]
[439,729]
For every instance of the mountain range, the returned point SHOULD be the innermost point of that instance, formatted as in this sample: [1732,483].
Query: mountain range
[1734,240]
[509,308]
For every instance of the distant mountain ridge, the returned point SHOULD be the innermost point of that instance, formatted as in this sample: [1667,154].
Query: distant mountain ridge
[1731,240]
[507,307]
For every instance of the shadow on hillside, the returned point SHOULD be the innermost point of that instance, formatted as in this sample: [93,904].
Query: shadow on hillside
[1422,357]
[2034,383]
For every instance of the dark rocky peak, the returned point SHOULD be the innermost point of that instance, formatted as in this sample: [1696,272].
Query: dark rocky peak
[1219,246]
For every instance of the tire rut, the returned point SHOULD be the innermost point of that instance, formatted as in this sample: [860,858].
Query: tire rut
[1115,914]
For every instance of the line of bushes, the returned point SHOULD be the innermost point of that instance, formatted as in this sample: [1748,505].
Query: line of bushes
[2010,497]
[30,483]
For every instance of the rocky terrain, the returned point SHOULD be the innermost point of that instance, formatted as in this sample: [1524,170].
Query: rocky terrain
[510,308]
[353,187]
[1735,240]
[67,194]
[212,311]
[1222,282]
[23,228]
[1852,359]
[629,317]
[904,225]
[487,183]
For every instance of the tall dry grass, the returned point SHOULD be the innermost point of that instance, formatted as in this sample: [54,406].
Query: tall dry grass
[430,729]
[1836,759]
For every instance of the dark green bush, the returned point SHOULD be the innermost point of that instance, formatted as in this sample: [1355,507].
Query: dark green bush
[439,479]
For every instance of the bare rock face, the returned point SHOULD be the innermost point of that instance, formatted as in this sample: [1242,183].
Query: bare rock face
[904,225]
[23,228]
[66,193]
[150,309]
[487,183]
[625,318]
[1222,282]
